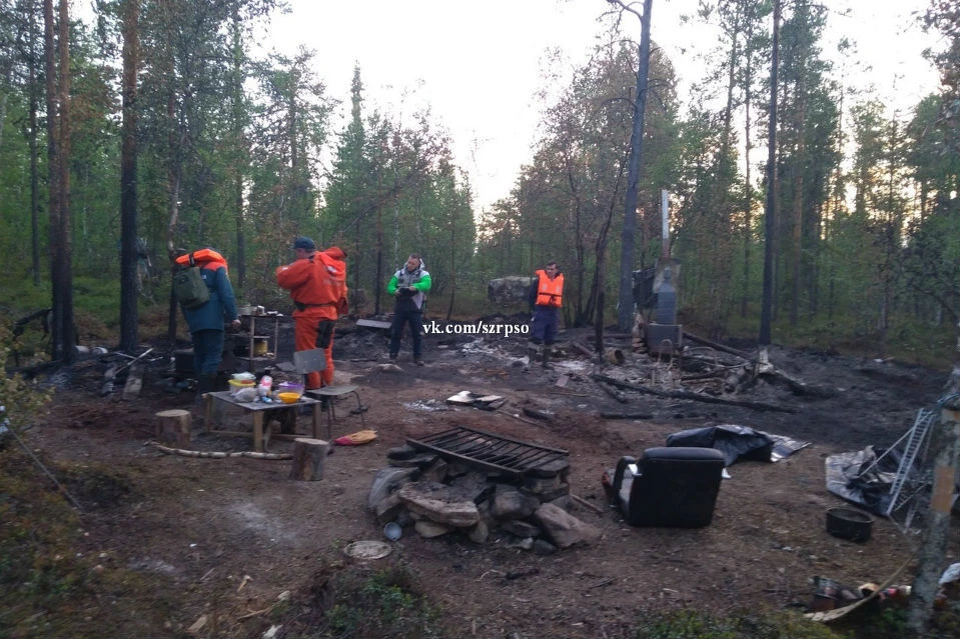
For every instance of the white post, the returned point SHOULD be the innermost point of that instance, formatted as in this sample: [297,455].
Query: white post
[665,223]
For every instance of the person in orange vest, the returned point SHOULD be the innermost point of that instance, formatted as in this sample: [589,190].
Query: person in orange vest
[546,298]
[206,322]
[317,283]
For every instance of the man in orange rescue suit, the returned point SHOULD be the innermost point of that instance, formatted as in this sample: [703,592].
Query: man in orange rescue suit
[318,285]
[546,296]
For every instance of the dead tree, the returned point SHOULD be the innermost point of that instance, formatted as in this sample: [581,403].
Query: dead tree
[946,441]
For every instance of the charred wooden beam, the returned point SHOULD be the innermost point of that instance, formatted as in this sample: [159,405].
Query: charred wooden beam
[697,397]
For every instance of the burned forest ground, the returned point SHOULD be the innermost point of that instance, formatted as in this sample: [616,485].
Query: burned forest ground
[174,546]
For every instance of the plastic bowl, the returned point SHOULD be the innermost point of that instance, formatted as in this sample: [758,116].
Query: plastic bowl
[393,531]
[236,385]
[289,397]
[290,387]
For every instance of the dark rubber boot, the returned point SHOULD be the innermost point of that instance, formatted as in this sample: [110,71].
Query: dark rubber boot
[205,384]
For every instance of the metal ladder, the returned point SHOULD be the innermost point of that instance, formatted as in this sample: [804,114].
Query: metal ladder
[916,441]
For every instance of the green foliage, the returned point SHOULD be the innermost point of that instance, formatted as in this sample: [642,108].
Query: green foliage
[52,586]
[394,190]
[20,401]
[567,204]
[383,604]
[96,303]
[695,625]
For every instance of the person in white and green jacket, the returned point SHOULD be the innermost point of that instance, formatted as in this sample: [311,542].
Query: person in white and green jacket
[409,285]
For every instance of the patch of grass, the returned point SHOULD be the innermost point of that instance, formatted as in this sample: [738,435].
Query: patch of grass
[95,485]
[695,625]
[53,584]
[361,604]
[96,310]
[38,564]
[908,340]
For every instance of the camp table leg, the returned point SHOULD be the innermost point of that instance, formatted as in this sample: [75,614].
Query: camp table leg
[258,431]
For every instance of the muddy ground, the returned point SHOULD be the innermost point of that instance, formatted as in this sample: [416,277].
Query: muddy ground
[232,534]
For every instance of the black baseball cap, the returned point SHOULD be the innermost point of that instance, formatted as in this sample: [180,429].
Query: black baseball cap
[304,243]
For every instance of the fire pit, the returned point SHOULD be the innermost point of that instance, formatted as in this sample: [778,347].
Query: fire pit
[491,452]
[479,483]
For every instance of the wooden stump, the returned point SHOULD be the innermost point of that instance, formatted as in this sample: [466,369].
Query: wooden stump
[308,458]
[173,427]
[131,390]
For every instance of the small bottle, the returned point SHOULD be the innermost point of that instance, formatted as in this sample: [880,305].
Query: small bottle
[263,388]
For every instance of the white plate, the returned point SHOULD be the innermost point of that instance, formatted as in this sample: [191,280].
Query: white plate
[368,550]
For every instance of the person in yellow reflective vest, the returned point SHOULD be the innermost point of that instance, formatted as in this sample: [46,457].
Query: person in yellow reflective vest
[546,298]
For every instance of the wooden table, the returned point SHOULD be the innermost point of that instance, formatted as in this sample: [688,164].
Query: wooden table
[213,402]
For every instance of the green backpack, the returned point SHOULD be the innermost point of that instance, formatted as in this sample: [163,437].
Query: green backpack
[189,287]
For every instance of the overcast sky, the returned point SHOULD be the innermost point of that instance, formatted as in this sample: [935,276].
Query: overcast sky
[478,64]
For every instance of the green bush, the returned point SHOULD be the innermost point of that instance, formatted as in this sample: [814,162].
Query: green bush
[355,602]
[696,625]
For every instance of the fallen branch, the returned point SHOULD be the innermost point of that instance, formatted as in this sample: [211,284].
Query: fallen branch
[716,346]
[764,367]
[583,349]
[255,613]
[135,359]
[567,393]
[709,375]
[584,502]
[607,415]
[537,414]
[602,583]
[36,460]
[697,397]
[218,454]
[611,392]
[836,613]
[522,419]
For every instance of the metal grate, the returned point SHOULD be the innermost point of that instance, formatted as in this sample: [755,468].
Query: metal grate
[493,452]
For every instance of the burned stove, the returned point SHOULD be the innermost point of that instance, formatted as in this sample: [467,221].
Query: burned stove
[491,452]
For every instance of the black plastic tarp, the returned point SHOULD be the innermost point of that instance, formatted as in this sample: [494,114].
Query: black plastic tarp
[735,442]
[856,477]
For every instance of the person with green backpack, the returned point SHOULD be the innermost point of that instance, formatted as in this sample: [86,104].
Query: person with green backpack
[206,296]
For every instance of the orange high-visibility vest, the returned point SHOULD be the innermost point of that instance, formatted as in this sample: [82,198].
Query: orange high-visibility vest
[549,292]
[204,258]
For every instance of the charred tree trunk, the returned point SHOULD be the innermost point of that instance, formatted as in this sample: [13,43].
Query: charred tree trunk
[453,268]
[770,210]
[128,179]
[933,549]
[67,332]
[173,192]
[57,67]
[240,167]
[625,315]
[34,153]
[748,190]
